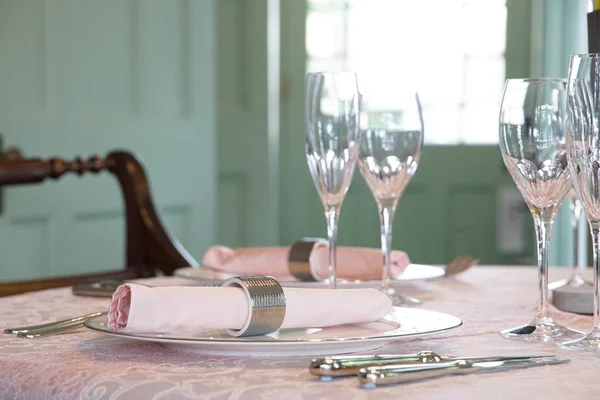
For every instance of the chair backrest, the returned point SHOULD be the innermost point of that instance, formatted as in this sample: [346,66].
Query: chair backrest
[148,245]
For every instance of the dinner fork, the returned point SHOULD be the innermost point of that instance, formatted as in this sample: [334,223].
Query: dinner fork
[51,328]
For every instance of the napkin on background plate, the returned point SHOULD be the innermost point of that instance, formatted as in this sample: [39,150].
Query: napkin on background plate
[141,309]
[352,262]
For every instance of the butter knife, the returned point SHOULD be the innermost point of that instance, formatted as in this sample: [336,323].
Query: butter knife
[330,367]
[389,374]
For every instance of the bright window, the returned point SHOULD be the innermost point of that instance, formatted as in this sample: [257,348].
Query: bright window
[452,51]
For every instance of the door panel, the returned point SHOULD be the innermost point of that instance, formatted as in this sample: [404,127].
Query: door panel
[89,77]
[247,145]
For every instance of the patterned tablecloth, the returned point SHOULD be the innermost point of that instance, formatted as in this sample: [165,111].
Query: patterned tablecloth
[89,365]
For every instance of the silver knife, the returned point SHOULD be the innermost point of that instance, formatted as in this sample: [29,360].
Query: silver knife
[388,374]
[330,367]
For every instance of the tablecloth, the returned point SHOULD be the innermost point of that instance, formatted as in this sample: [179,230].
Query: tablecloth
[90,365]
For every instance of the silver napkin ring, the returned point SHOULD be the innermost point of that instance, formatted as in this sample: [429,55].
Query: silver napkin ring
[299,258]
[266,304]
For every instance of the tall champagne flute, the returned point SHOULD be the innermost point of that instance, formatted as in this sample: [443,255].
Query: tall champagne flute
[331,144]
[584,161]
[390,149]
[533,146]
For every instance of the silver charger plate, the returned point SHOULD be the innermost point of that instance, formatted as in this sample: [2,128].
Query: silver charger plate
[412,273]
[399,323]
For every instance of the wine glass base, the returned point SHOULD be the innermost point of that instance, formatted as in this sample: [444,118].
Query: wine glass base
[542,330]
[589,343]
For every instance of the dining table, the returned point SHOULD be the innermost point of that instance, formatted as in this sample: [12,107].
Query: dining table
[84,364]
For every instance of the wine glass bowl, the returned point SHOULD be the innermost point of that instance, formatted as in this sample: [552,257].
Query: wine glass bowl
[388,174]
[543,185]
[534,150]
[331,172]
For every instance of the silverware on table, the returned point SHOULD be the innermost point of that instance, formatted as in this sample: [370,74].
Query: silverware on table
[371,377]
[330,367]
[51,328]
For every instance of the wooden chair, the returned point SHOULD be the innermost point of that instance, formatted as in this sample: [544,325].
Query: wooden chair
[148,246]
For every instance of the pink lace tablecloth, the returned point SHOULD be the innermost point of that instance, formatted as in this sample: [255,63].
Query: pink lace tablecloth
[89,365]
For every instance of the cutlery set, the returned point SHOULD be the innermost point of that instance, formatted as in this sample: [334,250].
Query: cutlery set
[372,371]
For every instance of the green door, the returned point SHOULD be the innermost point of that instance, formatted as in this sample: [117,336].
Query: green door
[461,200]
[248,113]
[86,77]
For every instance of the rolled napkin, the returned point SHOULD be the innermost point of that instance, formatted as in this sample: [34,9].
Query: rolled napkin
[141,309]
[352,262]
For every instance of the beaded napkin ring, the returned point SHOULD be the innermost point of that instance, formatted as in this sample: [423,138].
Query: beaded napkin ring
[299,257]
[266,304]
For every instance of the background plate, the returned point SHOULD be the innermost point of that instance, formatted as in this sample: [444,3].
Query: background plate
[412,273]
[397,324]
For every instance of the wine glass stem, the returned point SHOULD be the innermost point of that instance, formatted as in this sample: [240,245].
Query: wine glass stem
[543,227]
[595,228]
[332,216]
[575,218]
[386,216]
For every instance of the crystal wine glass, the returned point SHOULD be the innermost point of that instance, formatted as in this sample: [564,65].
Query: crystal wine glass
[533,146]
[390,148]
[584,162]
[331,144]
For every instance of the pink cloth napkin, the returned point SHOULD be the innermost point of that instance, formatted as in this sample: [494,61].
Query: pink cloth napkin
[352,262]
[137,308]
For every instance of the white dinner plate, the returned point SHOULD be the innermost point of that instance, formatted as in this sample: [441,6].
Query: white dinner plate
[412,273]
[397,324]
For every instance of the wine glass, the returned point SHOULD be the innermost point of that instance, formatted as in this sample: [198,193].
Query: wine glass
[533,146]
[390,148]
[584,162]
[579,264]
[331,144]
